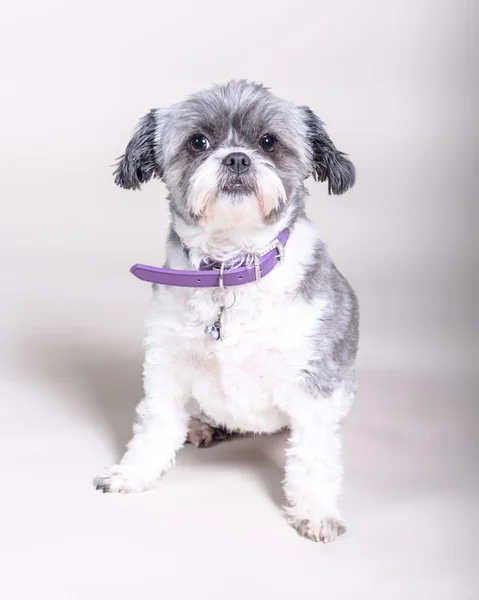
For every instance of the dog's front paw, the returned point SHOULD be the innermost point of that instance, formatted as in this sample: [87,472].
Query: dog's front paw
[124,479]
[323,530]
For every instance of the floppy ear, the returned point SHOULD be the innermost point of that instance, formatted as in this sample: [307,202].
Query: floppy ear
[328,163]
[141,160]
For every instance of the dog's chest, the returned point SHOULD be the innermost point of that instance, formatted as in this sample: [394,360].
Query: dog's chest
[236,380]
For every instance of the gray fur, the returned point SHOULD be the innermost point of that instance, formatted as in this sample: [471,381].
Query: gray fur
[316,274]
[173,238]
[237,113]
[141,159]
[244,112]
[329,163]
[335,341]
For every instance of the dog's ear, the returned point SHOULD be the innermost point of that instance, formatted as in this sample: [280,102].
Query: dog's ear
[142,158]
[328,163]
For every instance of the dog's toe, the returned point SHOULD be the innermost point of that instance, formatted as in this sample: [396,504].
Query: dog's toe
[326,530]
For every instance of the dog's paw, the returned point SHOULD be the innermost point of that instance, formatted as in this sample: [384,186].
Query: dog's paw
[124,479]
[323,530]
[202,435]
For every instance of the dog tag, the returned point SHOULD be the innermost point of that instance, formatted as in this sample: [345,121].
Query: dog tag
[214,331]
[223,298]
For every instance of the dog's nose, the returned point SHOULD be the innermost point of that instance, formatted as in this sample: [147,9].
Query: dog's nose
[238,162]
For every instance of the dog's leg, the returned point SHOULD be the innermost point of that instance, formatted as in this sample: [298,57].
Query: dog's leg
[159,432]
[313,475]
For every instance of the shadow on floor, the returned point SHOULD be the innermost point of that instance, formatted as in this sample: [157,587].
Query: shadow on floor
[98,382]
[103,386]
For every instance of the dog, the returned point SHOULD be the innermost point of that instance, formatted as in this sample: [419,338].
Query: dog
[275,352]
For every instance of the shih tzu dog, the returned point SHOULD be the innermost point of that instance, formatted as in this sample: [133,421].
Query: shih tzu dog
[251,328]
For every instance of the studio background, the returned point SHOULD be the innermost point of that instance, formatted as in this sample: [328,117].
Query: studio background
[397,85]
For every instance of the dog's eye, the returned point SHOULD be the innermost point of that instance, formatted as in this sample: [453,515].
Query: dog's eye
[268,142]
[198,143]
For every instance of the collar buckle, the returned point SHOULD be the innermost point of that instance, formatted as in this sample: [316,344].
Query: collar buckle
[279,257]
[257,267]
[280,248]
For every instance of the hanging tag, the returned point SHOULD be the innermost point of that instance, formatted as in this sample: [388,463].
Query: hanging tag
[224,298]
[215,330]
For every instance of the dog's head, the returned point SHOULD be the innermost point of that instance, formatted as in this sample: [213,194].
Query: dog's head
[233,155]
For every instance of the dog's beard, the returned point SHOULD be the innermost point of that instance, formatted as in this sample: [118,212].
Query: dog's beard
[271,192]
[225,200]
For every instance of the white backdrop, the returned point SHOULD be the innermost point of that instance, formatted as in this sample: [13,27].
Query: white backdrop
[396,83]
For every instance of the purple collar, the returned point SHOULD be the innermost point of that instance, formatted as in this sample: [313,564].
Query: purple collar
[218,276]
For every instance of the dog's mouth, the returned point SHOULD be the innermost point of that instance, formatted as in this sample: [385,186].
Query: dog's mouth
[238,185]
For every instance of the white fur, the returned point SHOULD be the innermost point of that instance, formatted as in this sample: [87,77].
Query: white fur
[248,382]
[203,184]
[204,195]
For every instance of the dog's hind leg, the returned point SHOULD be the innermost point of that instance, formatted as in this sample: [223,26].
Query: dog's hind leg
[202,434]
[203,431]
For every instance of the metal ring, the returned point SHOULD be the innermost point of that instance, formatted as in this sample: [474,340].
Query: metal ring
[221,301]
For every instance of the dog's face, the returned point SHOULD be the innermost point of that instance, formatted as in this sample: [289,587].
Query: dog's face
[233,155]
